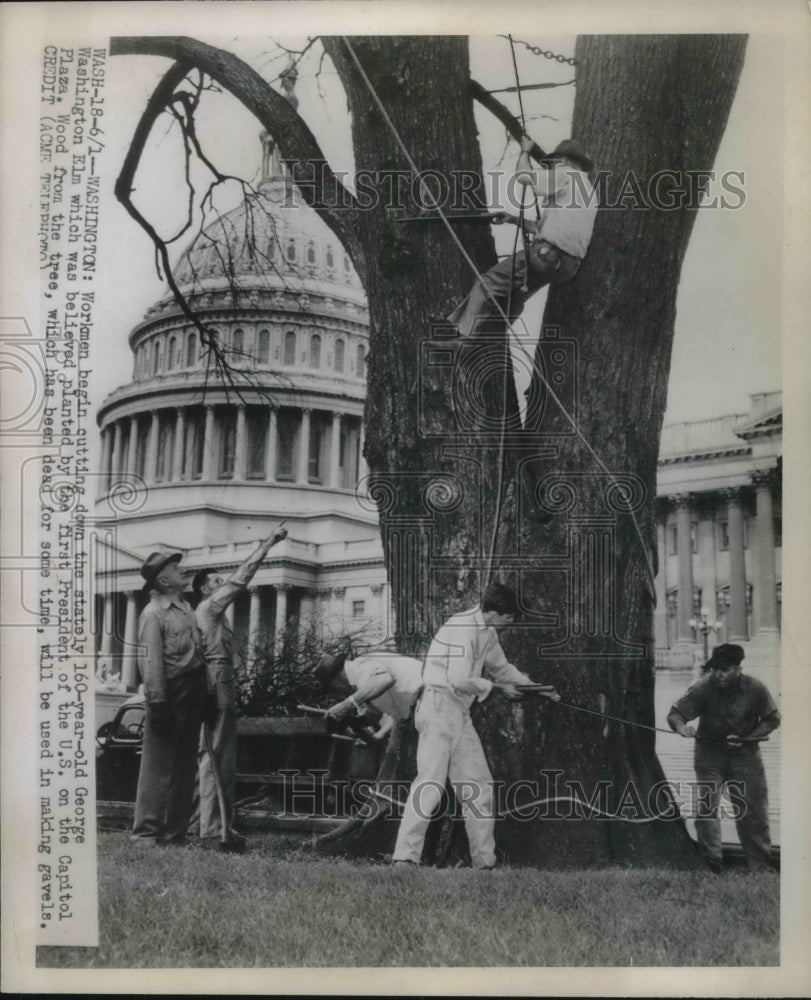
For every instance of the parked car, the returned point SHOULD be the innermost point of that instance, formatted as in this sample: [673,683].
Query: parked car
[118,752]
[290,760]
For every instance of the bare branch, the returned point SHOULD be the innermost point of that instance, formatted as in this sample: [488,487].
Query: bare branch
[504,115]
[320,187]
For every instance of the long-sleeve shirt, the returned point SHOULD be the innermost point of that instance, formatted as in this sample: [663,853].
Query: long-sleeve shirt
[568,207]
[405,671]
[218,636]
[460,651]
[726,712]
[170,643]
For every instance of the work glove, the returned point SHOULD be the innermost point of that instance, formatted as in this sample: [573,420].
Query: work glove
[340,712]
[510,692]
[160,717]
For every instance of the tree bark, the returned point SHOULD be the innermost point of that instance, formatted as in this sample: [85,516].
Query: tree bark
[643,104]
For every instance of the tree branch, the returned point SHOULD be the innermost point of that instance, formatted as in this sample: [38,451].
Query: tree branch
[504,115]
[319,186]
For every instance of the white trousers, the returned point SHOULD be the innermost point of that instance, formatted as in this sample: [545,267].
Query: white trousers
[449,747]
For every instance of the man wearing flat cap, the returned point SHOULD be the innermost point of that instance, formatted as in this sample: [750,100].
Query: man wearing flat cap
[567,204]
[735,712]
[382,678]
[173,670]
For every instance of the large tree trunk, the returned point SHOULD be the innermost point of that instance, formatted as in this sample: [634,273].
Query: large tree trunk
[434,477]
[643,104]
[440,445]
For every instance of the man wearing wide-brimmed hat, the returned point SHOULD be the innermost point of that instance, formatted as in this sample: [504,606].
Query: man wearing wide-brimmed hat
[173,671]
[736,711]
[567,204]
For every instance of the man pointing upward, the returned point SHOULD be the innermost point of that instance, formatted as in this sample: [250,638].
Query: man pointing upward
[216,594]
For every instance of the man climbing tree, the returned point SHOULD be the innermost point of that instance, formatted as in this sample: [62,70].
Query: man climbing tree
[555,244]
[454,507]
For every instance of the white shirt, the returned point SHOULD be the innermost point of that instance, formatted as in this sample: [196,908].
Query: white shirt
[460,650]
[568,205]
[404,670]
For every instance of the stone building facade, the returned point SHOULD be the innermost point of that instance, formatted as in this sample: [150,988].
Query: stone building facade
[207,466]
[719,535]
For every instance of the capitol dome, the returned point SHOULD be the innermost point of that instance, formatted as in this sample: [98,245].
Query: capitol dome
[196,462]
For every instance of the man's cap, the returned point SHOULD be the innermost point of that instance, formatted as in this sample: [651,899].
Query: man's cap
[154,563]
[572,150]
[725,655]
[327,667]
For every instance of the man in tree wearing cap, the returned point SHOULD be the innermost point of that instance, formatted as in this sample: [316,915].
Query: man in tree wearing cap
[560,238]
[736,710]
[216,594]
[173,671]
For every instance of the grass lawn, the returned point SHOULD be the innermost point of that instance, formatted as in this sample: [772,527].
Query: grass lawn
[278,906]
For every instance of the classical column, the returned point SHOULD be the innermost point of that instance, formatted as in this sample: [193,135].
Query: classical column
[307,613]
[132,457]
[208,445]
[282,590]
[379,592]
[335,451]
[106,650]
[304,448]
[363,468]
[766,577]
[106,457]
[660,615]
[253,623]
[116,461]
[151,462]
[684,549]
[177,457]
[339,597]
[129,663]
[270,451]
[737,568]
[706,564]
[241,446]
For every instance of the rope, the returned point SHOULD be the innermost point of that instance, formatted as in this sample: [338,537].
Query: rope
[503,430]
[615,718]
[653,729]
[553,395]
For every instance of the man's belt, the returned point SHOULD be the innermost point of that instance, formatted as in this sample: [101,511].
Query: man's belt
[539,241]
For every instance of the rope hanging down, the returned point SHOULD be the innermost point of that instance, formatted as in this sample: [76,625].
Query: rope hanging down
[520,231]
[426,193]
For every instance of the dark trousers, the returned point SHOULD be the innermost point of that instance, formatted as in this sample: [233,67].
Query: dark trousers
[166,780]
[714,767]
[547,266]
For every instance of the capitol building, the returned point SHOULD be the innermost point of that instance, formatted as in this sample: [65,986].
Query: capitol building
[207,465]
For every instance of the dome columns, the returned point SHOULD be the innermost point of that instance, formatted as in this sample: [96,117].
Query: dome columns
[328,450]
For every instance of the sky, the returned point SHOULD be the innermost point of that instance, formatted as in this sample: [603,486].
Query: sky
[727,338]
